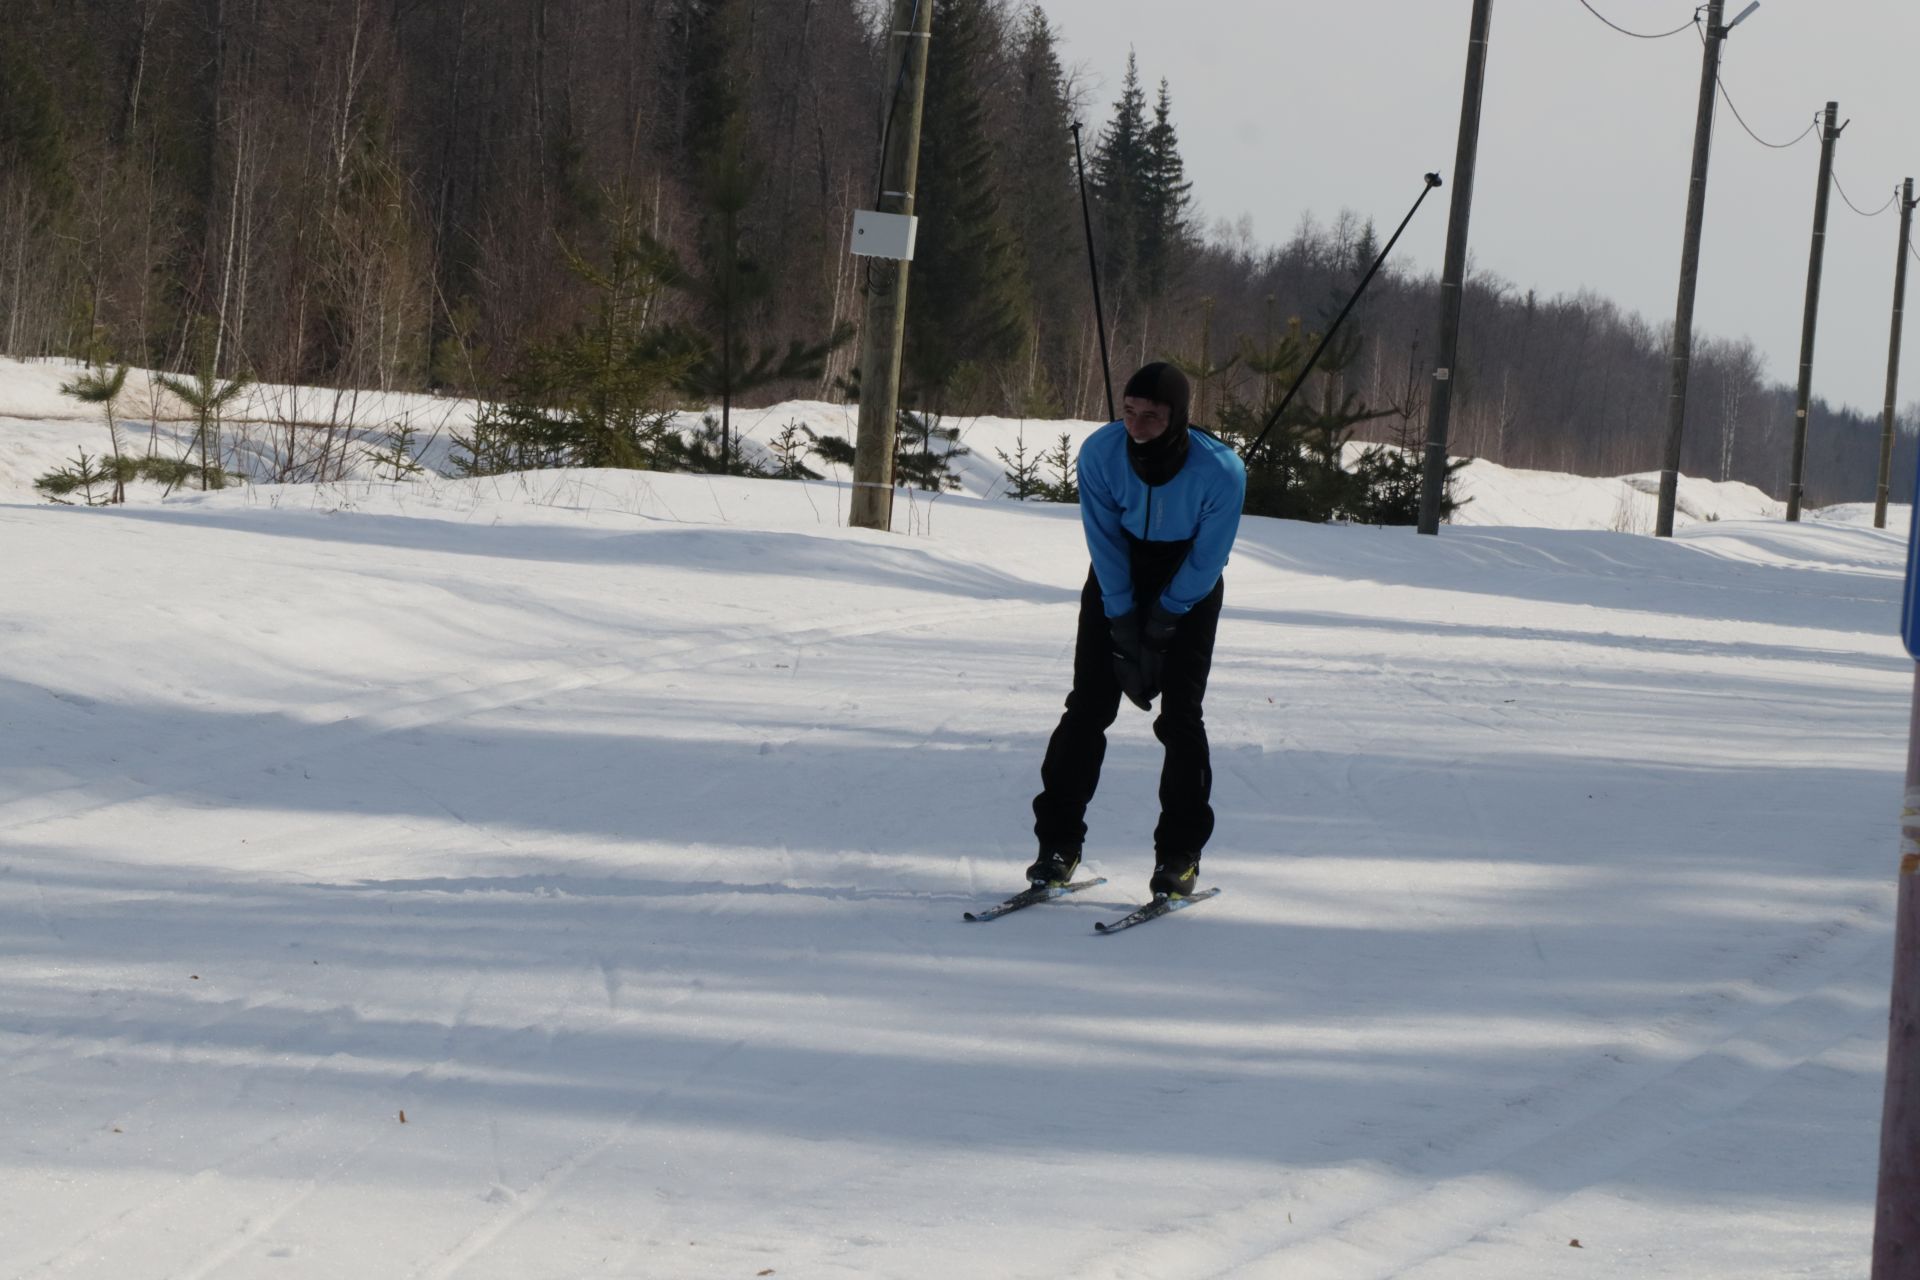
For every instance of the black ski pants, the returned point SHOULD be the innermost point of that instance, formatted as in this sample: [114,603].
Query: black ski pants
[1071,770]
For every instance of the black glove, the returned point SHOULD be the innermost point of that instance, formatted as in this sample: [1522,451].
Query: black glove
[1129,660]
[1155,637]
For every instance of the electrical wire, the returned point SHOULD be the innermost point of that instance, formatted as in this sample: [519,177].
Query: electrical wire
[1856,208]
[1777,146]
[1639,35]
[893,104]
[875,277]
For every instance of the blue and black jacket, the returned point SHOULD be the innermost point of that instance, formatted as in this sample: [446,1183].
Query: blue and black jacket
[1172,537]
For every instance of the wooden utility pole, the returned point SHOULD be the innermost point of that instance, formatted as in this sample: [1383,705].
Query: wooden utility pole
[1681,364]
[886,325]
[1453,278]
[1896,1216]
[1803,403]
[1893,359]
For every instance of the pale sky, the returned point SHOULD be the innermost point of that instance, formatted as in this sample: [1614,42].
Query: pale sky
[1291,106]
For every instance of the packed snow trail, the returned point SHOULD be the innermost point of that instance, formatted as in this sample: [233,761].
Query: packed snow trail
[624,855]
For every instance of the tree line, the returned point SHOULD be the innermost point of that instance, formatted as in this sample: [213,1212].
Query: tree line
[461,194]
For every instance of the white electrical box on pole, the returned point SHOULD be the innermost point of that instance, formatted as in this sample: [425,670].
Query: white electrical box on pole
[884,235]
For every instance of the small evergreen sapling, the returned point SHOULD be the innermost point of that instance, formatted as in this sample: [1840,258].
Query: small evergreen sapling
[83,476]
[916,461]
[790,449]
[711,450]
[596,395]
[1026,480]
[1023,471]
[208,397]
[400,457]
[103,388]
[1065,485]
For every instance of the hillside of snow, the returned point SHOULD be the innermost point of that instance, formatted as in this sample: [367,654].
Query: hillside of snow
[561,876]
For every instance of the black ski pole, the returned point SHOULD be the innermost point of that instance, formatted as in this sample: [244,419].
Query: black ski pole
[1093,265]
[1273,419]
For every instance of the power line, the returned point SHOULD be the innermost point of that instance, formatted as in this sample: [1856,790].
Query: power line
[1856,208]
[893,101]
[1638,35]
[1777,146]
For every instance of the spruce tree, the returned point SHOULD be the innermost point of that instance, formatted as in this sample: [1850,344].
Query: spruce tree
[1166,200]
[732,284]
[730,281]
[1297,473]
[1022,472]
[1119,167]
[924,451]
[33,141]
[595,397]
[967,307]
[1046,216]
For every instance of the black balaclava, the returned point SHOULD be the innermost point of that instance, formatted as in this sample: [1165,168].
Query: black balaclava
[1160,460]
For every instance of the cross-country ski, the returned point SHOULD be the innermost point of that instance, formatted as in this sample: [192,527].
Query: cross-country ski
[1160,906]
[1032,896]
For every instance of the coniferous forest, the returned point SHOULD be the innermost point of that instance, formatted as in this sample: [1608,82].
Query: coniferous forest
[485,197]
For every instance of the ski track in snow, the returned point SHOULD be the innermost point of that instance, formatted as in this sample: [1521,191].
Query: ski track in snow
[1583,1132]
[1554,901]
[347,725]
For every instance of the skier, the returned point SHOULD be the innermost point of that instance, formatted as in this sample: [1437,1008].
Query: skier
[1160,503]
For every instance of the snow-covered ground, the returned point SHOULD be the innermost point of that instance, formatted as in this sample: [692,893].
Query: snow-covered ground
[276,427]
[561,876]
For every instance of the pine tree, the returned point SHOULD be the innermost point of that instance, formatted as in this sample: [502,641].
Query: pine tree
[967,306]
[82,476]
[103,388]
[208,396]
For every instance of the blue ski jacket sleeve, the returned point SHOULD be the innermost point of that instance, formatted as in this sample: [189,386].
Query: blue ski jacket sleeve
[1199,506]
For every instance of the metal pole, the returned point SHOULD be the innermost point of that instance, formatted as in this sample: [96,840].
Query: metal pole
[1896,1217]
[1893,358]
[1682,360]
[1093,265]
[1300,379]
[1433,477]
[886,322]
[1803,404]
